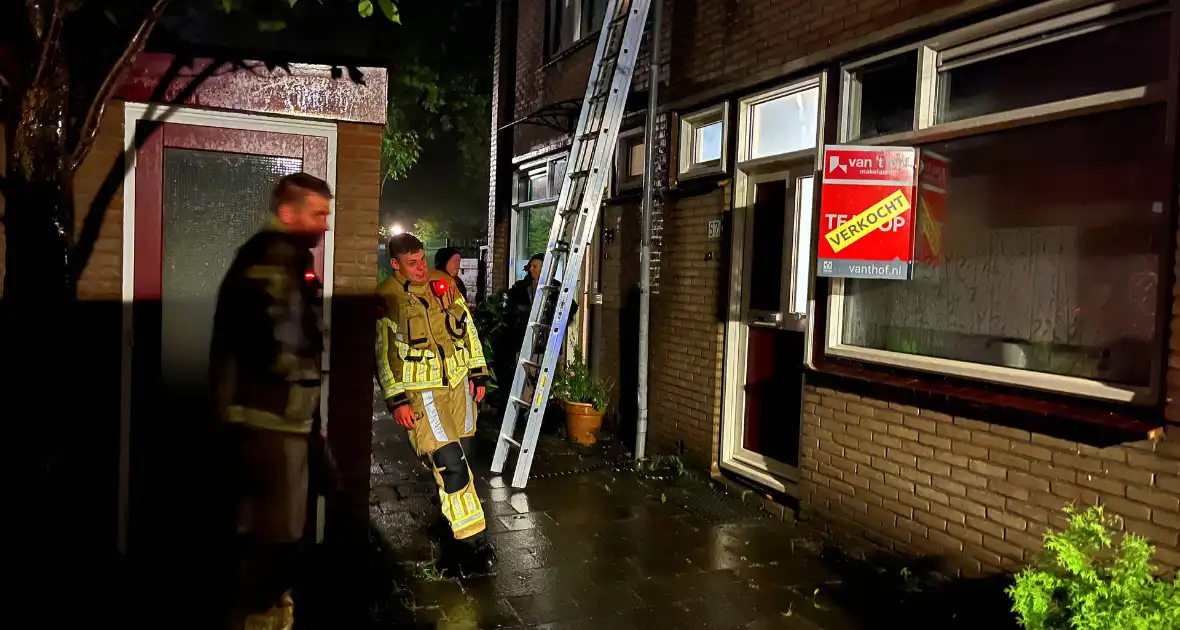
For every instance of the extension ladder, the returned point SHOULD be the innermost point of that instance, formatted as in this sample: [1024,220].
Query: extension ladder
[578,205]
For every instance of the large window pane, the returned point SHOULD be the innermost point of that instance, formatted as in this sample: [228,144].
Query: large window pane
[635,160]
[766,246]
[774,387]
[540,220]
[886,96]
[1122,56]
[1052,247]
[785,124]
[593,12]
[708,143]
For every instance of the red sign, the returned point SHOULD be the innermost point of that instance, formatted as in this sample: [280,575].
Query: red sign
[866,212]
[933,175]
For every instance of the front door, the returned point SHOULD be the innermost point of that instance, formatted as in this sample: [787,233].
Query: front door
[766,359]
[200,193]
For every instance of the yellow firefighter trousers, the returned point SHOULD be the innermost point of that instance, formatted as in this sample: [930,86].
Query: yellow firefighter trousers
[444,416]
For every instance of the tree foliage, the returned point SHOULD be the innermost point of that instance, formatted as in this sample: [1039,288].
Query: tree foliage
[438,92]
[1088,581]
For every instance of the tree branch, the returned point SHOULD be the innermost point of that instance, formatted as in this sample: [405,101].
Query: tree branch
[36,17]
[103,96]
[50,40]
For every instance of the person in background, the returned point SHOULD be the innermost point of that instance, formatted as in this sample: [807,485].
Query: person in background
[265,369]
[520,304]
[448,259]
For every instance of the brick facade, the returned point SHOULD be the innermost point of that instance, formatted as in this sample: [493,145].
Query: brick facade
[910,480]
[918,481]
[358,191]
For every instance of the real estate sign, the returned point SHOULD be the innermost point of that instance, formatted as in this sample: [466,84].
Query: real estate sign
[933,175]
[867,212]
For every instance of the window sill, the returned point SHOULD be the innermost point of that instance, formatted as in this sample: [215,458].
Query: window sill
[1089,422]
[569,51]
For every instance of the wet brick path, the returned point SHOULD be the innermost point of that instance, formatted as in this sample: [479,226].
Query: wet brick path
[611,548]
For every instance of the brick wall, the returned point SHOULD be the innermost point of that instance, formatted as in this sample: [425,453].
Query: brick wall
[540,81]
[919,482]
[687,338]
[716,43]
[358,177]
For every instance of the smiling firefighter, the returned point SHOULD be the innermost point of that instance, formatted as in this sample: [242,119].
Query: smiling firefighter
[431,368]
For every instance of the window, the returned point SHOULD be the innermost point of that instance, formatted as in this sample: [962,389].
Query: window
[629,159]
[1043,244]
[883,92]
[782,121]
[571,21]
[703,141]
[535,203]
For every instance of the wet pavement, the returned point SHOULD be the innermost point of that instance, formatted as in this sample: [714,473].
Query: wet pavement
[593,543]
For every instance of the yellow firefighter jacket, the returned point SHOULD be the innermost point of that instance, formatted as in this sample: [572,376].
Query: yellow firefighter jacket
[425,340]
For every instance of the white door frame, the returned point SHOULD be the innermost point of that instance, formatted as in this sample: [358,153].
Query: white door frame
[135,112]
[750,172]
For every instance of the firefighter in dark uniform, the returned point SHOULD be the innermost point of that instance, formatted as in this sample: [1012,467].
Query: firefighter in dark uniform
[431,367]
[265,364]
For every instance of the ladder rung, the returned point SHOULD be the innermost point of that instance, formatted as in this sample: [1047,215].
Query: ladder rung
[516,401]
[510,441]
[535,366]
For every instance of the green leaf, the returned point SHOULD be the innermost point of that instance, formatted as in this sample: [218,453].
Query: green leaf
[365,8]
[227,5]
[292,3]
[390,11]
[271,26]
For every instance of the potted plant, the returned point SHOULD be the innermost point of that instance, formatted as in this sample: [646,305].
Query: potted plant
[1087,580]
[583,396]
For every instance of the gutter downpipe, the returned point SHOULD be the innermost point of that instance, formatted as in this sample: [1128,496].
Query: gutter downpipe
[645,238]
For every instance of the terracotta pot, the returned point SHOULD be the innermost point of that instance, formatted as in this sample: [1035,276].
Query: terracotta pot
[582,422]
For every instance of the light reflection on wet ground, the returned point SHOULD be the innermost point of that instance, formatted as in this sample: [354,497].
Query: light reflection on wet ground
[613,549]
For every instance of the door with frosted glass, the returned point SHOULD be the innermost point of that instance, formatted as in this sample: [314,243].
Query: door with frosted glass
[777,234]
[200,193]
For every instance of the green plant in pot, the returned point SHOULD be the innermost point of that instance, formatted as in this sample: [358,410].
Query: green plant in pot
[1090,577]
[584,398]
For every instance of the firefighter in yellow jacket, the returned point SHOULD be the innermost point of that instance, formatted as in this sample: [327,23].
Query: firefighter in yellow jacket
[431,368]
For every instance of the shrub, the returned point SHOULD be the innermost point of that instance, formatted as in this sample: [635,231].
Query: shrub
[1085,580]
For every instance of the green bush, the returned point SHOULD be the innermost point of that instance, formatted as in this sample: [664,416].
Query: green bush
[1085,580]
[575,383]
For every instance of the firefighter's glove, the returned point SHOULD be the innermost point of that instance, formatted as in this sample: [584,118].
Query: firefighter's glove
[477,388]
[403,413]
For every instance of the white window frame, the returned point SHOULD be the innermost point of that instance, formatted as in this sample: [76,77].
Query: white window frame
[689,167]
[624,180]
[547,165]
[746,129]
[1078,15]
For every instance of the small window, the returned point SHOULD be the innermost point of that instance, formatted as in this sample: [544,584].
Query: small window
[881,97]
[703,141]
[629,160]
[784,123]
[1082,60]
[571,21]
[538,185]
